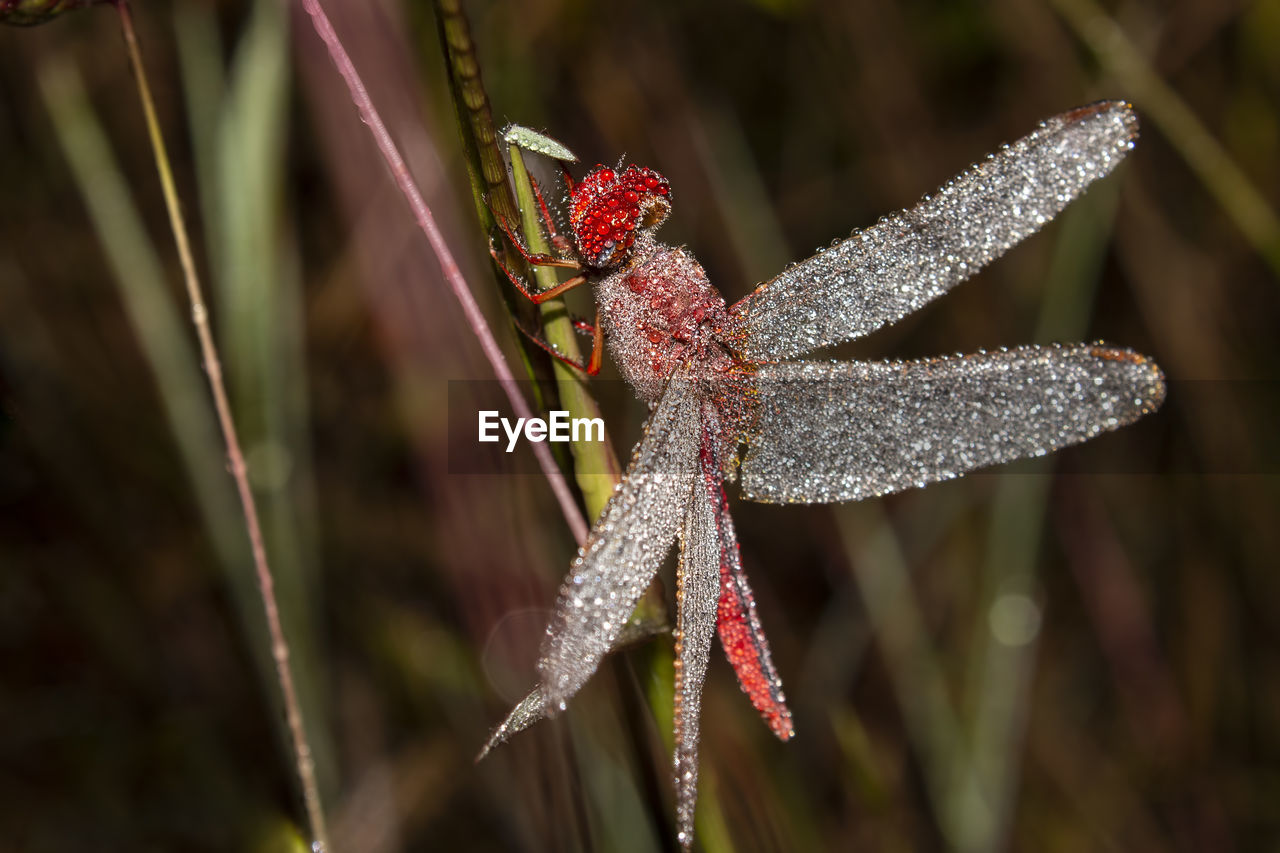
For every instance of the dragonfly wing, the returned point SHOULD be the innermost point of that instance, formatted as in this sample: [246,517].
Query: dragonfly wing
[626,546]
[741,634]
[697,595]
[533,707]
[844,431]
[909,258]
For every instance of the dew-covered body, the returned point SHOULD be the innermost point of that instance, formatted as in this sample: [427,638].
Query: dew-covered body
[660,311]
[719,377]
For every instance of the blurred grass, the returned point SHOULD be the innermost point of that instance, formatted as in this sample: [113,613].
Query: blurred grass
[1143,714]
[153,316]
[250,246]
[1255,218]
[237,124]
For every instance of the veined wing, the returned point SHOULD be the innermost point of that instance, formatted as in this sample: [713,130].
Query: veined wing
[712,591]
[626,546]
[844,431]
[909,258]
[697,593]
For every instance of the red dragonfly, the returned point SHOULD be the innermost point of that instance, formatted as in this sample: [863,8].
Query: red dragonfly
[720,377]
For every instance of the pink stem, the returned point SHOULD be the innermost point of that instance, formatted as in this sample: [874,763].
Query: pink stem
[448,266]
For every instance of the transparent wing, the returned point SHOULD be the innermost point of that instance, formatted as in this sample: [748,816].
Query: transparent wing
[626,546]
[907,259]
[533,707]
[697,594]
[845,431]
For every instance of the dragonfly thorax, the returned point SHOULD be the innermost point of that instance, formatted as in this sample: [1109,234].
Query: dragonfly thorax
[660,311]
[608,208]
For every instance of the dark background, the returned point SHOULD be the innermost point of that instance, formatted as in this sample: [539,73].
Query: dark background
[137,710]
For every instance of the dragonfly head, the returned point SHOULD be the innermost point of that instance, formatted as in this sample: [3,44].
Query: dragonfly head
[608,207]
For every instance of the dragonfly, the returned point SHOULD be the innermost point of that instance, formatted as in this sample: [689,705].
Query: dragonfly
[730,400]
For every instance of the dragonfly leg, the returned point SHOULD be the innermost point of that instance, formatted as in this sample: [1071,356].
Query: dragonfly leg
[597,343]
[536,259]
[558,242]
[537,297]
[590,367]
[569,182]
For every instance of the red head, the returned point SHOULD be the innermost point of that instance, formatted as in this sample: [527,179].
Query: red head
[607,207]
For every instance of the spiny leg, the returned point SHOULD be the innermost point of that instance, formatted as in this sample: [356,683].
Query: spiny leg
[591,366]
[569,182]
[537,297]
[597,342]
[537,259]
[560,243]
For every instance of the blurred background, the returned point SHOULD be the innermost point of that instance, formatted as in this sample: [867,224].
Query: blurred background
[1077,653]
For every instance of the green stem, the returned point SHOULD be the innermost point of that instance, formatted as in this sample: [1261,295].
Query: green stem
[490,189]
[596,466]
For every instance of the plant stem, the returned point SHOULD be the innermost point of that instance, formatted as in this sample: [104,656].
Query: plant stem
[305,764]
[448,266]
[595,464]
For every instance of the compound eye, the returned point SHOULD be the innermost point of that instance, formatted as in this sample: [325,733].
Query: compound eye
[608,208]
[607,230]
